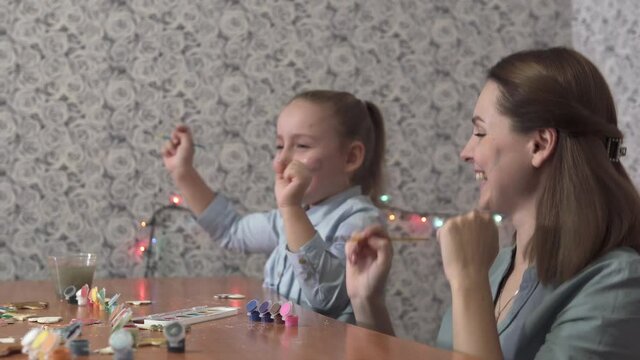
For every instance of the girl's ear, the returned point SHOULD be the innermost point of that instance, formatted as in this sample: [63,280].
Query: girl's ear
[355,156]
[542,145]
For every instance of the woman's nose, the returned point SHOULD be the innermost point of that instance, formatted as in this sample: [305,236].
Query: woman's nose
[467,152]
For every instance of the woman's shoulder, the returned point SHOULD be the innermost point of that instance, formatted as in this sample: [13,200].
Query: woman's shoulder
[621,262]
[615,274]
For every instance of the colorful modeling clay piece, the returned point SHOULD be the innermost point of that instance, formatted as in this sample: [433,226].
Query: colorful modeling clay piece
[175,335]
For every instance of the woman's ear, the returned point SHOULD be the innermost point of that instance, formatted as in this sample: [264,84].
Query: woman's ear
[355,156]
[543,144]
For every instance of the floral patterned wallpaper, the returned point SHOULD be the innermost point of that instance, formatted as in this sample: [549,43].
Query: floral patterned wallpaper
[88,88]
[609,34]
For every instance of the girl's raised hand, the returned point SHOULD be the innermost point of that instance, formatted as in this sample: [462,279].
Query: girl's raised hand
[369,255]
[292,181]
[469,245]
[177,152]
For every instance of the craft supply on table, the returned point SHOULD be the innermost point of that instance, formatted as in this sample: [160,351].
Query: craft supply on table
[82,295]
[24,305]
[120,319]
[60,353]
[286,311]
[175,334]
[252,310]
[265,316]
[229,296]
[19,316]
[188,316]
[70,295]
[79,347]
[138,302]
[121,342]
[8,349]
[274,310]
[45,319]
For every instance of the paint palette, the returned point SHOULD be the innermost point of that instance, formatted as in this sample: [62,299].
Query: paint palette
[189,316]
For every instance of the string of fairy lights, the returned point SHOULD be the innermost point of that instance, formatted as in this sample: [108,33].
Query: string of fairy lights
[403,225]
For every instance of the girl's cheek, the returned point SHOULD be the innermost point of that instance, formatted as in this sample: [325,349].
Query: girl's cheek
[313,164]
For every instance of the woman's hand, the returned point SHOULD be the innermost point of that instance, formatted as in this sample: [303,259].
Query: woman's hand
[369,255]
[292,181]
[469,245]
[178,151]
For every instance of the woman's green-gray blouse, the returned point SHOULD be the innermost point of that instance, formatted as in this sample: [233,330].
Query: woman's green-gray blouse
[595,315]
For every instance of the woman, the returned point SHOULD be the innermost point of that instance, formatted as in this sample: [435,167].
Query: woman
[545,149]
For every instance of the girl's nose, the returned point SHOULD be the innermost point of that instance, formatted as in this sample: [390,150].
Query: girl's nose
[283,156]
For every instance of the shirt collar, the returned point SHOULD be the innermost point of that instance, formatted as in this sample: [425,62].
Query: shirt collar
[331,203]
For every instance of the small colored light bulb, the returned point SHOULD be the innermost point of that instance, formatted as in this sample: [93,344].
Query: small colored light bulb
[176,200]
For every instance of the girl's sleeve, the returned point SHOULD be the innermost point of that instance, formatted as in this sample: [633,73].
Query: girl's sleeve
[319,266]
[252,233]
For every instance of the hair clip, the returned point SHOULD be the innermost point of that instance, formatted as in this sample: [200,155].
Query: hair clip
[615,149]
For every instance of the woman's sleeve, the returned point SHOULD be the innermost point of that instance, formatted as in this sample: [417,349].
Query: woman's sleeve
[602,321]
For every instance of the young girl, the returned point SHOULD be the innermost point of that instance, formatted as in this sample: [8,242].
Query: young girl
[328,167]
[545,149]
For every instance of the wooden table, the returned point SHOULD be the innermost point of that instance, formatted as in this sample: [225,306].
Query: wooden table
[236,337]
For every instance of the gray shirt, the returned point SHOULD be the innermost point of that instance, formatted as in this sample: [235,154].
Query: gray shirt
[315,275]
[594,315]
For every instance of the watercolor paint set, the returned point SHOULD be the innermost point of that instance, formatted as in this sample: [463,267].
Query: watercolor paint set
[188,316]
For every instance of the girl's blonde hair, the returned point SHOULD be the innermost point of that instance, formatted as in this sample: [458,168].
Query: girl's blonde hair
[357,120]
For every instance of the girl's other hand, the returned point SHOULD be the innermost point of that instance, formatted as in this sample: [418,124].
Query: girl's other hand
[292,181]
[469,245]
[178,151]
[369,255]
